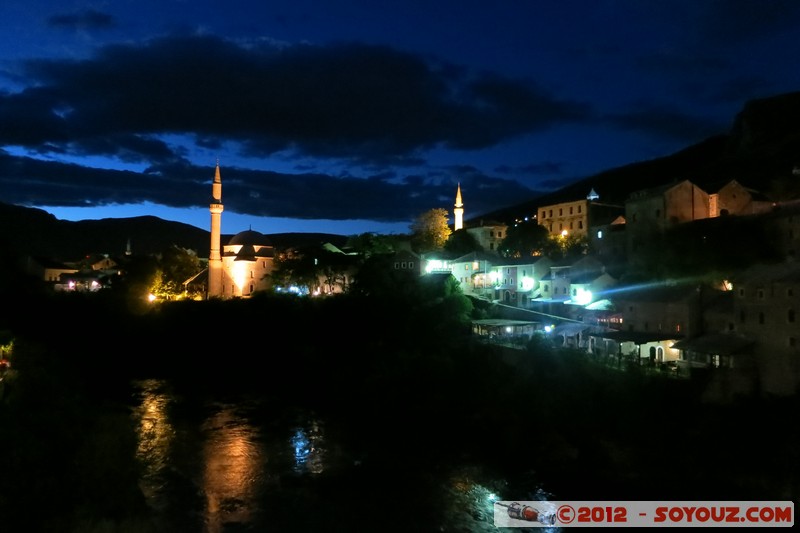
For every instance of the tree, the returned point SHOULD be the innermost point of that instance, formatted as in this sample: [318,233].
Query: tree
[572,246]
[526,239]
[461,242]
[297,270]
[430,230]
[175,265]
[367,244]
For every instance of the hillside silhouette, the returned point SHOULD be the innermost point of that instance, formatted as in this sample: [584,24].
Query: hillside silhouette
[760,151]
[28,231]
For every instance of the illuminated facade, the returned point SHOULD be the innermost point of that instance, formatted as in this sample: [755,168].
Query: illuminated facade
[458,211]
[489,235]
[239,268]
[246,260]
[572,217]
[214,256]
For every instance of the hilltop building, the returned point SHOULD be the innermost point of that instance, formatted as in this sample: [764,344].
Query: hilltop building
[575,217]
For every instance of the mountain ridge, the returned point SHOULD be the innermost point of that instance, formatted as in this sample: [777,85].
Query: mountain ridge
[760,150]
[34,232]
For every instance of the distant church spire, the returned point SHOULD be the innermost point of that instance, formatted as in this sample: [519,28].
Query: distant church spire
[458,212]
[214,256]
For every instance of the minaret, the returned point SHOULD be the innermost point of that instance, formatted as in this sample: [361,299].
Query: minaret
[458,212]
[214,256]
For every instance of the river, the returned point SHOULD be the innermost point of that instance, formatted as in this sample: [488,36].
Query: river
[216,463]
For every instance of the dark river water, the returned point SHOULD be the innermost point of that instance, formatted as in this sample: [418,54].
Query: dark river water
[222,463]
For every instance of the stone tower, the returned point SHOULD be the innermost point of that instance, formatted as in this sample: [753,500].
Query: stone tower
[458,212]
[214,256]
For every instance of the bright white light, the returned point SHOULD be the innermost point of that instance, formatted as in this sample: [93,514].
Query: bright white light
[564,233]
[527,283]
[151,297]
[239,274]
[583,297]
[548,329]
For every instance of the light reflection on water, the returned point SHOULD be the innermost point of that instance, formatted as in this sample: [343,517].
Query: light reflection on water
[210,465]
[155,435]
[309,448]
[232,460]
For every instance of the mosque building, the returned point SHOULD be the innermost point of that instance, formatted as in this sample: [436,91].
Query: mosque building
[239,268]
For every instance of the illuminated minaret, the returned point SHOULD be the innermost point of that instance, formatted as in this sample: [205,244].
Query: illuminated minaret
[458,212]
[214,256]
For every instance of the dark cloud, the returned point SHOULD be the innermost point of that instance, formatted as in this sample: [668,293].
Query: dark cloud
[682,63]
[82,20]
[370,107]
[666,123]
[383,197]
[739,21]
[545,168]
[344,100]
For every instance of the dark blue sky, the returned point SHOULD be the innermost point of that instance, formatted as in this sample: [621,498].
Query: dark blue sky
[354,116]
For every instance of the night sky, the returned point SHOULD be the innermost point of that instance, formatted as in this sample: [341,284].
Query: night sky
[355,116]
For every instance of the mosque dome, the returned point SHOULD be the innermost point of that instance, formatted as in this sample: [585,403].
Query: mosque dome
[249,238]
